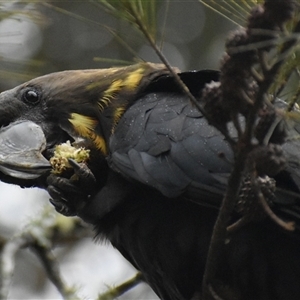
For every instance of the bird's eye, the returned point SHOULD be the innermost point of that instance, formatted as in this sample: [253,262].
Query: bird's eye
[31,96]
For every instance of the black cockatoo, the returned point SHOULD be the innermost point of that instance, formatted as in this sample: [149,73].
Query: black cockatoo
[155,179]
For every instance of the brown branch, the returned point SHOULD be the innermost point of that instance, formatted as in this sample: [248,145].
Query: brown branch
[290,226]
[237,225]
[7,263]
[52,269]
[244,145]
[220,229]
[122,288]
[177,78]
[39,236]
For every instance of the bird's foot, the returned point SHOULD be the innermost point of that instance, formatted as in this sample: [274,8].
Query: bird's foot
[69,195]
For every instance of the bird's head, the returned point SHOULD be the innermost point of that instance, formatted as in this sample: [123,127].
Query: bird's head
[68,105]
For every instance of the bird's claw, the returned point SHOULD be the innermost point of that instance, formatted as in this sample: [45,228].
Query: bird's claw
[62,208]
[87,178]
[68,196]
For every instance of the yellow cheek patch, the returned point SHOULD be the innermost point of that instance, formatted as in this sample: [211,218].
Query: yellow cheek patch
[129,83]
[85,126]
[110,93]
[132,81]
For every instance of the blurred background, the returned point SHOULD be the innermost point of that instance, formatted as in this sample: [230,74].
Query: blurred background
[39,37]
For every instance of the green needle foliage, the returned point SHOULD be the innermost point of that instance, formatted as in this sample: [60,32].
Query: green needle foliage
[138,13]
[235,11]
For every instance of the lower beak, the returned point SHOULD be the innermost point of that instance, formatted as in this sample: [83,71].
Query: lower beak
[21,147]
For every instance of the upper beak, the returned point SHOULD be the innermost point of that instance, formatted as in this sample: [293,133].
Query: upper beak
[21,147]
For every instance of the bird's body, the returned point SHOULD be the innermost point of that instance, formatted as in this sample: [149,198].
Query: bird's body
[160,174]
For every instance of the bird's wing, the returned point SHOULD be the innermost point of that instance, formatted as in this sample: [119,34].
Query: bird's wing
[163,141]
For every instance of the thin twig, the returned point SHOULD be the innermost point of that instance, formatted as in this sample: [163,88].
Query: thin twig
[294,100]
[290,226]
[52,269]
[122,288]
[38,235]
[177,78]
[271,130]
[237,225]
[7,263]
[220,229]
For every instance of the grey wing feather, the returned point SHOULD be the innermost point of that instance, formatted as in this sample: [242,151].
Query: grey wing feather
[164,142]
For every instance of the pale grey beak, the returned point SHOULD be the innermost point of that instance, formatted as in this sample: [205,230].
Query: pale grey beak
[21,147]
